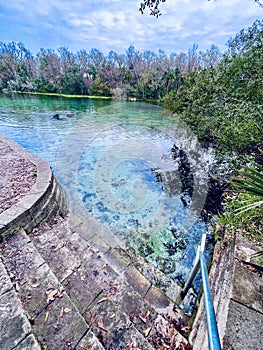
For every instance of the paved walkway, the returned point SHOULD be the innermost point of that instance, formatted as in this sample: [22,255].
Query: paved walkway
[63,287]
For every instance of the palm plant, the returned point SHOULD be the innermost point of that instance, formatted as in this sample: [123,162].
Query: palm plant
[251,182]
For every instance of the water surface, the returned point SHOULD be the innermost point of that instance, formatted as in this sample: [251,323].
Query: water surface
[129,165]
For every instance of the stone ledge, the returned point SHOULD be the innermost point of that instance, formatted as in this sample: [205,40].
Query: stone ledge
[46,189]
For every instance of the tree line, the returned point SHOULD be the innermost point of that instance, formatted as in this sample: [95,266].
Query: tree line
[223,104]
[218,95]
[144,75]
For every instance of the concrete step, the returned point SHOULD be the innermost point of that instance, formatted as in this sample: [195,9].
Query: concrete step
[110,293]
[162,292]
[75,292]
[50,314]
[52,202]
[15,329]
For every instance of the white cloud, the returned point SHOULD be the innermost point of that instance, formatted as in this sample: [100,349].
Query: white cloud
[116,24]
[75,21]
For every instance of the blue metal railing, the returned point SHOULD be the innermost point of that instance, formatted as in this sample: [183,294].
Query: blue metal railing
[213,336]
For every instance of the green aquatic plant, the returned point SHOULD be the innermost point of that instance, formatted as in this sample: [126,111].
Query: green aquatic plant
[160,248]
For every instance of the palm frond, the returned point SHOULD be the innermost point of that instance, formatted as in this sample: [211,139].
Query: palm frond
[249,207]
[250,182]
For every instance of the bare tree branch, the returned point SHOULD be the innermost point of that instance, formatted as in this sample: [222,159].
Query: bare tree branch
[153,6]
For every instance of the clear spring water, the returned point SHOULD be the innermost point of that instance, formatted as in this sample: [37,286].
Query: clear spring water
[131,167]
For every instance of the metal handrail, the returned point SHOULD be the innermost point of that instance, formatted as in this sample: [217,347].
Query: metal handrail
[196,267]
[213,336]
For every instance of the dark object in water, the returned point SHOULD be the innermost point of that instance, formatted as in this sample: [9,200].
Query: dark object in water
[120,183]
[56,116]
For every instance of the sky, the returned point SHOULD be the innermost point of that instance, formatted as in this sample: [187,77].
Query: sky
[116,24]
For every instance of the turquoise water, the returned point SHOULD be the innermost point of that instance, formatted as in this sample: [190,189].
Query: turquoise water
[128,165]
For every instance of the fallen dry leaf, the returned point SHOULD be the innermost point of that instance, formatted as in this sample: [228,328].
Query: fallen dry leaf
[147,331]
[131,346]
[178,344]
[61,314]
[82,277]
[46,317]
[93,316]
[145,316]
[60,293]
[185,329]
[101,325]
[88,346]
[51,294]
[129,343]
[113,288]
[104,298]
[17,287]
[132,317]
[67,310]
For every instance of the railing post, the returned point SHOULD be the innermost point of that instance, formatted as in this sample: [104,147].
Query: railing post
[195,267]
[192,274]
[213,336]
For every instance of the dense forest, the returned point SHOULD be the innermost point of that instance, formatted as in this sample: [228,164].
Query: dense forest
[218,95]
[133,74]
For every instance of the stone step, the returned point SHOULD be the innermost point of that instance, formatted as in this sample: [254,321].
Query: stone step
[106,288]
[164,283]
[162,292]
[85,277]
[52,202]
[55,321]
[15,329]
[80,239]
[75,294]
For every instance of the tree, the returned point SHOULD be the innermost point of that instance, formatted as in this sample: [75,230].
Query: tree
[49,66]
[223,104]
[247,39]
[153,6]
[17,67]
[99,88]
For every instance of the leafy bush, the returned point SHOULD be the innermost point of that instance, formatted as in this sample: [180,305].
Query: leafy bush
[235,220]
[244,210]
[223,105]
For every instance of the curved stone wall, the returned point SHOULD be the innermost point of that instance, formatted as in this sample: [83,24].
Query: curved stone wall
[44,199]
